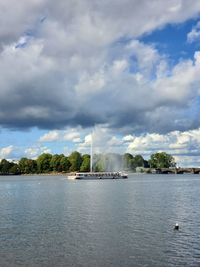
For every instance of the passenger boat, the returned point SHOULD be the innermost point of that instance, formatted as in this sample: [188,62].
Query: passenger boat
[100,175]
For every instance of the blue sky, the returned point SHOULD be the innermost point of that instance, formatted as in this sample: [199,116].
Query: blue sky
[126,71]
[172,40]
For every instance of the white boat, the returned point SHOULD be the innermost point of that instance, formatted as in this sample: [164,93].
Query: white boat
[100,175]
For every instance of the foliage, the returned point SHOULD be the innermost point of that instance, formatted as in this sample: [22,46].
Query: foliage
[47,163]
[127,161]
[138,161]
[14,169]
[108,162]
[99,163]
[55,163]
[85,165]
[7,167]
[131,162]
[43,163]
[161,160]
[64,164]
[27,165]
[75,160]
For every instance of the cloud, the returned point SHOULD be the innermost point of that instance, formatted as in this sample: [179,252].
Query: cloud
[83,65]
[35,151]
[188,161]
[194,34]
[112,95]
[6,152]
[72,135]
[50,136]
[182,145]
[15,21]
[103,140]
[91,22]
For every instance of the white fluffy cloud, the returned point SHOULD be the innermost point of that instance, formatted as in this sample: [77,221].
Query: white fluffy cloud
[103,140]
[50,136]
[72,135]
[182,145]
[194,34]
[35,151]
[6,152]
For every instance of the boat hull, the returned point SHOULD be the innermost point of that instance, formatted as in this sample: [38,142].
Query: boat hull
[100,176]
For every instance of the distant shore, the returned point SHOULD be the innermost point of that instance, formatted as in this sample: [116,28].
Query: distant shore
[41,174]
[51,174]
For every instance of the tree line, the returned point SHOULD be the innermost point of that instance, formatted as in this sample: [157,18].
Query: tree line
[59,163]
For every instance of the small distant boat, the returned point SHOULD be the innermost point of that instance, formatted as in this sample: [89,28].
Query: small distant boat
[100,175]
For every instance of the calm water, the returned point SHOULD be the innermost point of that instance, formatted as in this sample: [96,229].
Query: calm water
[51,221]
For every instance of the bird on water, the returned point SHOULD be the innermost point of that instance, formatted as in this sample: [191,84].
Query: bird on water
[176,227]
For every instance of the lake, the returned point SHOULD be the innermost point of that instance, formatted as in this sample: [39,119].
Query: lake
[52,221]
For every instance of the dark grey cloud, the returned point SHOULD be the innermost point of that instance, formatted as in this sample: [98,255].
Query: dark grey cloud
[18,18]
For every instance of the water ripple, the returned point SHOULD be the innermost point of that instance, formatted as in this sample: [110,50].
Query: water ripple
[50,221]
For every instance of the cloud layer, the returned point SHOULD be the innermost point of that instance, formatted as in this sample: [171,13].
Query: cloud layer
[184,146]
[71,63]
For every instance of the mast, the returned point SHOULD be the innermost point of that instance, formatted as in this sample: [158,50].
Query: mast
[91,154]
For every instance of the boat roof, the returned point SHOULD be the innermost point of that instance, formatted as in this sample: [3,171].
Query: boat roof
[97,172]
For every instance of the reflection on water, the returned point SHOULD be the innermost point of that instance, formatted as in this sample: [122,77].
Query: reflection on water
[51,221]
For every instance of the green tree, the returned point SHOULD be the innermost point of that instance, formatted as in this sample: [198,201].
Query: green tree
[85,165]
[65,164]
[99,163]
[55,162]
[75,160]
[43,163]
[5,166]
[161,160]
[32,166]
[146,164]
[138,161]
[14,169]
[127,161]
[27,165]
[23,165]
[107,162]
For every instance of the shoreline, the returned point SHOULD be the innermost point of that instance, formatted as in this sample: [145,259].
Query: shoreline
[40,174]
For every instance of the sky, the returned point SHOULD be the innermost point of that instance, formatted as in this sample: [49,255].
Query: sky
[126,71]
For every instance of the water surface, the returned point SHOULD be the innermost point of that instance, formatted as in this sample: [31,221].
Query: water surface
[52,221]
